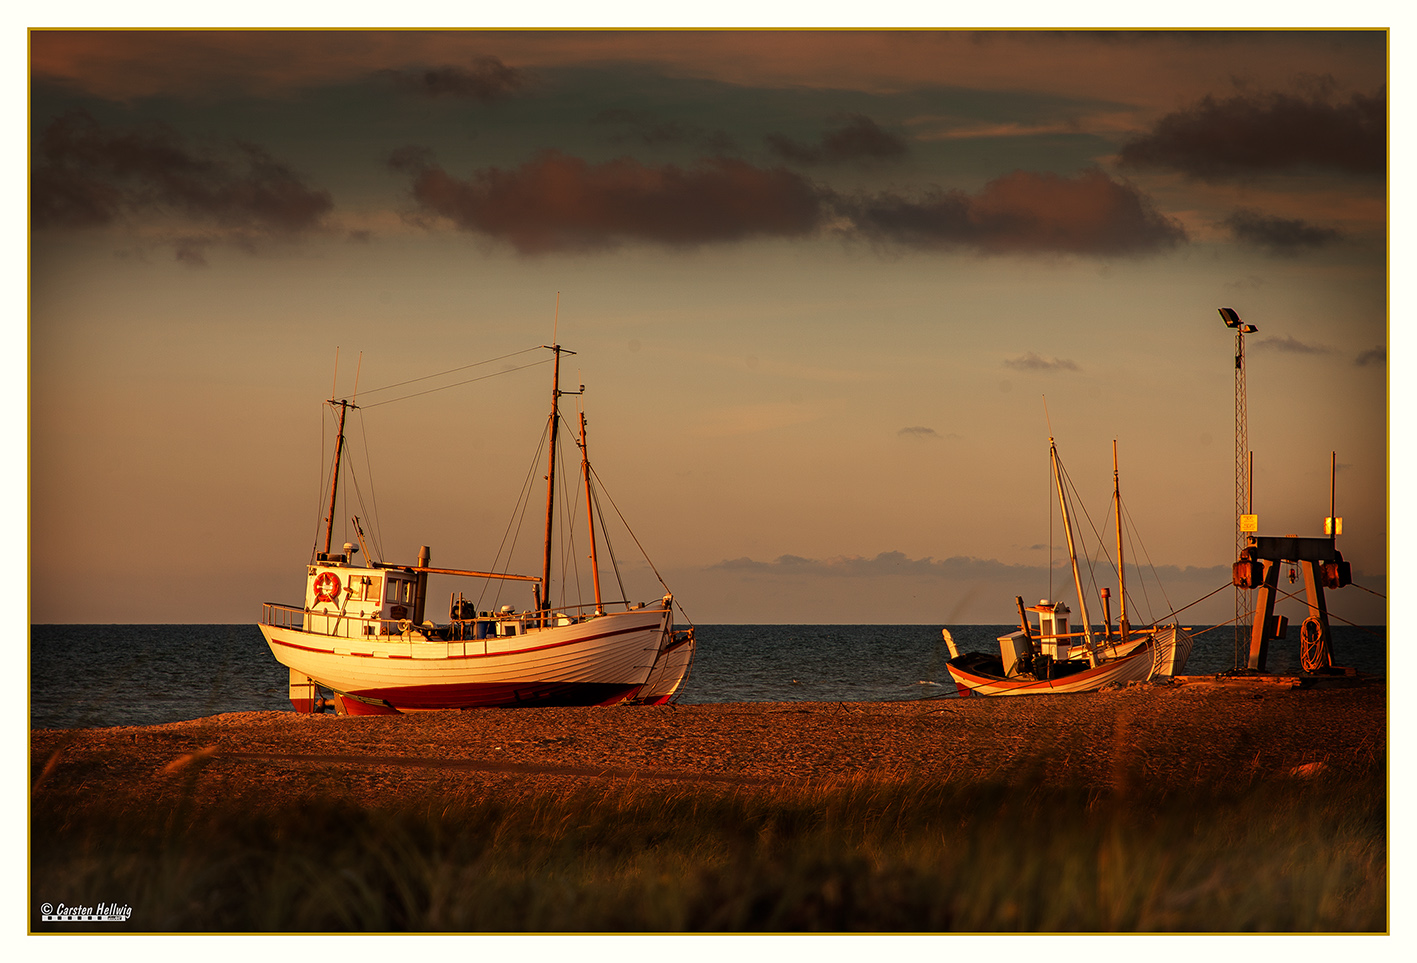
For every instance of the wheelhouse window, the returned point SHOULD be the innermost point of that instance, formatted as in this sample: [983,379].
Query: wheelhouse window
[400,591]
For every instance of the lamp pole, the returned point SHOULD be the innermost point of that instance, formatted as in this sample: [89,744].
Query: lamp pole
[1242,472]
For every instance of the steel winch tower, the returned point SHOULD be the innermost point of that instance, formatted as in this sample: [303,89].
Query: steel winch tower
[1243,505]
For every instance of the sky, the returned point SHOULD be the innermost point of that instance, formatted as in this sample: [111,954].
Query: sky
[830,293]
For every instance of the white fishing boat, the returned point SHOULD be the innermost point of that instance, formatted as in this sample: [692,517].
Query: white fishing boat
[1044,657]
[364,634]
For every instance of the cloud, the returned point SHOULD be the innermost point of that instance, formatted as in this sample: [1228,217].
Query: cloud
[561,203]
[860,138]
[1372,356]
[884,564]
[1032,362]
[646,128]
[1278,235]
[557,202]
[488,80]
[1290,345]
[919,433]
[86,175]
[1025,212]
[1247,134]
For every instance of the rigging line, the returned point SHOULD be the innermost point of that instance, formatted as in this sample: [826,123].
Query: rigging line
[375,531]
[609,546]
[475,364]
[1136,541]
[568,516]
[1332,615]
[519,517]
[1075,498]
[568,534]
[632,533]
[1176,612]
[320,504]
[1368,590]
[1049,502]
[1218,625]
[458,384]
[1145,592]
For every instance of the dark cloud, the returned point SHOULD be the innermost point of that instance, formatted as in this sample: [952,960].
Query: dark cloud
[86,175]
[1024,212]
[919,432]
[644,127]
[1279,235]
[1247,134]
[562,203]
[860,138]
[557,202]
[1289,345]
[1372,356]
[486,81]
[1032,362]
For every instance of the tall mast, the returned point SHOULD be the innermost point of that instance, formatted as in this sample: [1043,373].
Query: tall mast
[1072,552]
[334,478]
[551,477]
[1121,567]
[590,517]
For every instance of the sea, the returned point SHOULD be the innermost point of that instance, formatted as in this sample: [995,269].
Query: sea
[99,676]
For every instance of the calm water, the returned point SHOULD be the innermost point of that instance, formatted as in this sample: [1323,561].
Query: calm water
[128,675]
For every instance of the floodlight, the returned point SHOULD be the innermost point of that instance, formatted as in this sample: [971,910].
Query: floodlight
[1231,319]
[1248,328]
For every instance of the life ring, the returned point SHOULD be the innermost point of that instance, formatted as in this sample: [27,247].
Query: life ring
[405,625]
[326,587]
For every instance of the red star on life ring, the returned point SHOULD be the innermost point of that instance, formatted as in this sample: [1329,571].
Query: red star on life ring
[326,587]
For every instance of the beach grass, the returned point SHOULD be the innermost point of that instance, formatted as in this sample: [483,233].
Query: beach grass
[1302,852]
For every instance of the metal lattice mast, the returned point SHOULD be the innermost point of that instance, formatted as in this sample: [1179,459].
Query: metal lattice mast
[1242,480]
[1241,488]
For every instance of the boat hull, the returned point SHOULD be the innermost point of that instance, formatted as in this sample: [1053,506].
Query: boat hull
[599,661]
[669,670]
[1159,655]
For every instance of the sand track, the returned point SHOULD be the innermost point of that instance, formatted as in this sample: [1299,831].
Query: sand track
[1199,734]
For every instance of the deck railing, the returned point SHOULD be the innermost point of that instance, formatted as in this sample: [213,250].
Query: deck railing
[489,625]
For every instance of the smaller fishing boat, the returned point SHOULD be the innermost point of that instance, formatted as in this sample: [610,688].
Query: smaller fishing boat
[1044,657]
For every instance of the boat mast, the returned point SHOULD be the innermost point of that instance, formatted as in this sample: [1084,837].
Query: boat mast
[551,477]
[1121,568]
[334,479]
[1072,553]
[590,517]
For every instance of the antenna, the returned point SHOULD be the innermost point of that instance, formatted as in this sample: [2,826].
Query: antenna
[556,323]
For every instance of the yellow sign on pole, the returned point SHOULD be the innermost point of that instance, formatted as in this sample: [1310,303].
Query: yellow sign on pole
[1249,523]
[1329,525]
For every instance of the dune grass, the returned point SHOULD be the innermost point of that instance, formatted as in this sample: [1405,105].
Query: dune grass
[1289,854]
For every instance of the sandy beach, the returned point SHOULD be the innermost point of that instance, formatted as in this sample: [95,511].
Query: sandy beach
[1197,733]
